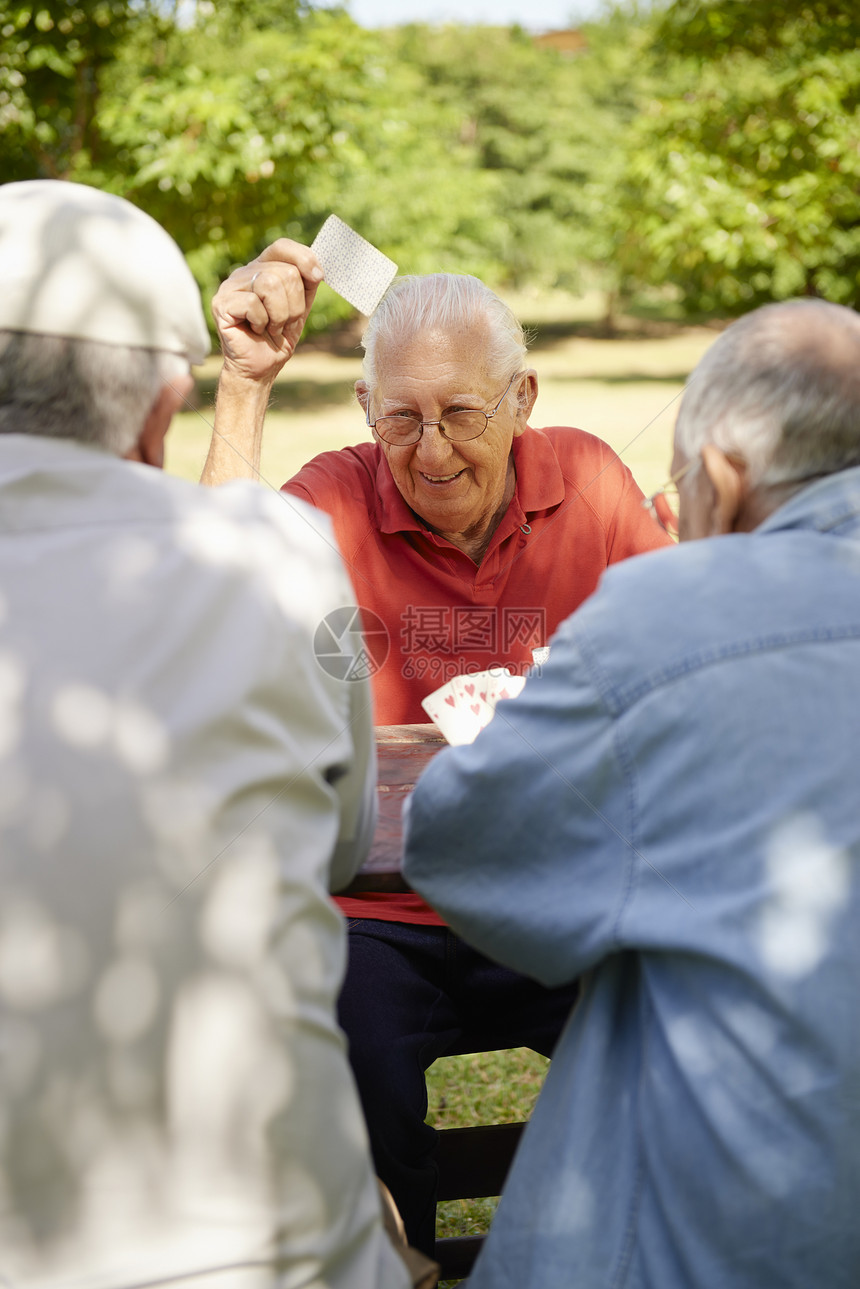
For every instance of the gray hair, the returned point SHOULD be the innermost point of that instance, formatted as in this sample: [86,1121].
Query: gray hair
[780,389]
[80,389]
[447,302]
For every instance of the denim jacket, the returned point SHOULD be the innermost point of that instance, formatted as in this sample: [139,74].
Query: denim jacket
[671,810]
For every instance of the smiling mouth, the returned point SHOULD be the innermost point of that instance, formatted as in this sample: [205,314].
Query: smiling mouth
[441,478]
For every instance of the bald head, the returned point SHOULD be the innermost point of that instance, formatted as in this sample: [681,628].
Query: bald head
[780,390]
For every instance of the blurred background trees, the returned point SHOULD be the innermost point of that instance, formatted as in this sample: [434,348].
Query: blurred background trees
[703,153]
[745,166]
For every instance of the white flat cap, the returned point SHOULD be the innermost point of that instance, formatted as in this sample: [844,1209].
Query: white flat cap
[81,263]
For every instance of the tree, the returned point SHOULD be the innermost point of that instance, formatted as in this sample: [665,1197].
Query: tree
[466,148]
[212,124]
[52,56]
[525,140]
[218,126]
[743,178]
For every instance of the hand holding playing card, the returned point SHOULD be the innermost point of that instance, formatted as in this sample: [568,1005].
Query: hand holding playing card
[261,309]
[260,312]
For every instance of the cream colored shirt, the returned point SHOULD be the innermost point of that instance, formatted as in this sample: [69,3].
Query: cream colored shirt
[180,783]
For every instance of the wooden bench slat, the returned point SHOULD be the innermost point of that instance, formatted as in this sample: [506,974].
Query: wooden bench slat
[456,1255]
[474,1162]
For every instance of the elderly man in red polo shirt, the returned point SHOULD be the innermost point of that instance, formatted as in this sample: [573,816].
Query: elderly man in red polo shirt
[469,536]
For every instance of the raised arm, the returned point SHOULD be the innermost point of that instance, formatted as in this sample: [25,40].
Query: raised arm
[260,311]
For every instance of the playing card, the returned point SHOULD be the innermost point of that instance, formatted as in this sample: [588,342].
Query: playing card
[502,684]
[463,706]
[471,699]
[352,266]
[457,723]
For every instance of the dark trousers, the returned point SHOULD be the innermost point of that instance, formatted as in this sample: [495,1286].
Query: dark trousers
[412,994]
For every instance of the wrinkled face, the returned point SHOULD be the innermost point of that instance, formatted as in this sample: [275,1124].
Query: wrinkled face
[456,488]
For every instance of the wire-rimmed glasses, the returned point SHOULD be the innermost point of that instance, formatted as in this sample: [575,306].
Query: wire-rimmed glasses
[662,505]
[457,424]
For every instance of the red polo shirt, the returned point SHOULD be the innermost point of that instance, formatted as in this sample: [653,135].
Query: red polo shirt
[576,508]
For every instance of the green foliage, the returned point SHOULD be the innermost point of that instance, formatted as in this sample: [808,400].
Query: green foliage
[743,178]
[462,148]
[218,128]
[418,193]
[706,148]
[509,179]
[761,28]
[51,59]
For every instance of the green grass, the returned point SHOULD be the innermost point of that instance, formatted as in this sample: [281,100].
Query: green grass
[486,1087]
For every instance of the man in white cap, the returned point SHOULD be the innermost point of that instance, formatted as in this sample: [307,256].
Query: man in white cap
[180,780]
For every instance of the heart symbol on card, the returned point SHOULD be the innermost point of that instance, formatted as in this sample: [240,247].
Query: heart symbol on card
[476,707]
[483,695]
[470,689]
[451,701]
[504,694]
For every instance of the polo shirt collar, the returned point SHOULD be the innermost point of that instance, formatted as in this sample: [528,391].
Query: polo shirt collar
[540,482]
[540,485]
[392,513]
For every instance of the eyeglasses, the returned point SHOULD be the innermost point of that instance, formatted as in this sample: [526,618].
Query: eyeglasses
[458,426]
[662,505]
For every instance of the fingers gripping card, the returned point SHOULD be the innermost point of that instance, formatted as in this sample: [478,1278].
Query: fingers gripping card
[352,266]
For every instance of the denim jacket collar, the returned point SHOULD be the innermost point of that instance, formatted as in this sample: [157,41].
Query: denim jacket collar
[825,504]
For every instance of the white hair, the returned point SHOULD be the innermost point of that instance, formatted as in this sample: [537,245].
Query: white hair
[780,389]
[445,302]
[81,389]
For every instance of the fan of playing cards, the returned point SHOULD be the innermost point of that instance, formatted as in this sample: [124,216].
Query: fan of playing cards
[461,708]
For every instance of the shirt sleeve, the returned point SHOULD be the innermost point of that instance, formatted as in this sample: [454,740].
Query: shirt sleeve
[353,775]
[631,529]
[356,790]
[325,697]
[292,488]
[523,840]
[328,482]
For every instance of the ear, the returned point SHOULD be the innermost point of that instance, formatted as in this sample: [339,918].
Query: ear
[527,392]
[362,393]
[149,448]
[728,478]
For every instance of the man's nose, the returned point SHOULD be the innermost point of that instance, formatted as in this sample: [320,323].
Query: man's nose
[432,446]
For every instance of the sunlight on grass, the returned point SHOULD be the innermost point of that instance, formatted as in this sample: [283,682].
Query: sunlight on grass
[484,1087]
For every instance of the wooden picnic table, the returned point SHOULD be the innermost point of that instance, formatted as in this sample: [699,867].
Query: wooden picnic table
[402,753]
[473,1161]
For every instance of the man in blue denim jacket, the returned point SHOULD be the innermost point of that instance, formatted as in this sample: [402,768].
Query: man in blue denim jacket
[671,810]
